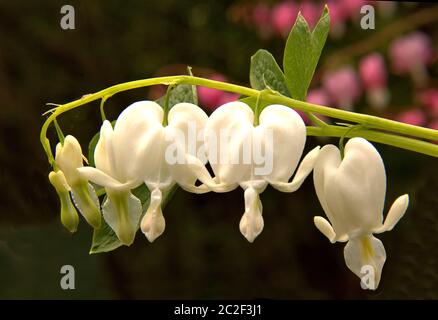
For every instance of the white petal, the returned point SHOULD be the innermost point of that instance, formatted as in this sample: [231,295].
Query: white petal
[153,223]
[122,212]
[104,180]
[136,133]
[395,213]
[365,256]
[303,171]
[104,158]
[284,135]
[325,227]
[189,121]
[355,193]
[325,168]
[251,224]
[227,130]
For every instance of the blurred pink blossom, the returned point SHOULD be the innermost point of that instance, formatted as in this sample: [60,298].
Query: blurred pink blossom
[411,54]
[415,117]
[343,87]
[429,98]
[211,98]
[373,75]
[283,16]
[227,97]
[338,16]
[318,96]
[372,71]
[352,7]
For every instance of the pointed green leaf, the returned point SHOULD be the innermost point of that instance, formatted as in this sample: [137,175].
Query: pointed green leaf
[302,52]
[265,73]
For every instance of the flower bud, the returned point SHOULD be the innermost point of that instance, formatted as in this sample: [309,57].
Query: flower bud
[69,215]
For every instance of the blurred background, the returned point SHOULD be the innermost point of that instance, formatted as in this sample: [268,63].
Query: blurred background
[390,71]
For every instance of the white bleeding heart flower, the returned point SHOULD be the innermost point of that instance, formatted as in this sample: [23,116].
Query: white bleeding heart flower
[69,159]
[351,191]
[252,156]
[140,149]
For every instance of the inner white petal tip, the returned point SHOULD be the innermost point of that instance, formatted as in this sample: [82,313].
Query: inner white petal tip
[153,226]
[251,226]
[325,228]
[153,223]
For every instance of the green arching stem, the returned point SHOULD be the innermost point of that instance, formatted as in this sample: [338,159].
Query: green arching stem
[102,107]
[378,129]
[341,141]
[376,136]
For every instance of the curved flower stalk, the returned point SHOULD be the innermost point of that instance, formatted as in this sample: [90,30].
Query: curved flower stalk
[141,150]
[252,156]
[352,193]
[69,159]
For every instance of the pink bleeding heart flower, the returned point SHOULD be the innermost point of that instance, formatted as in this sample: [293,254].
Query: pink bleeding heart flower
[372,71]
[352,7]
[415,117]
[210,98]
[411,54]
[228,97]
[283,16]
[338,15]
[343,86]
[316,96]
[373,74]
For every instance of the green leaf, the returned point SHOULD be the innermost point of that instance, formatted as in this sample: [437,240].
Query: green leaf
[105,239]
[252,101]
[265,73]
[302,52]
[181,93]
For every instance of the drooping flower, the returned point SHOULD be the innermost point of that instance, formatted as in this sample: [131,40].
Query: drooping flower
[69,215]
[140,149]
[250,155]
[351,191]
[373,74]
[283,16]
[411,54]
[343,86]
[69,159]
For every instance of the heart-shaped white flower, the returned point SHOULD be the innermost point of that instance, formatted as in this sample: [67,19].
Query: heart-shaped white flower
[140,149]
[253,156]
[352,193]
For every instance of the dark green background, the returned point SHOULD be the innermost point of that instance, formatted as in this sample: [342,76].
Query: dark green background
[202,253]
